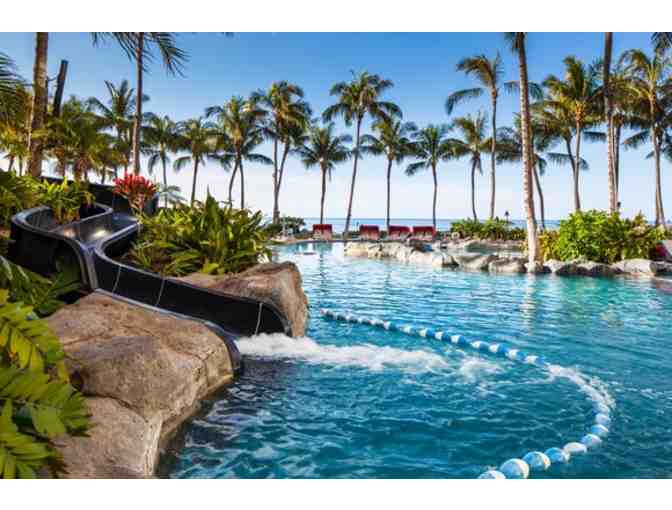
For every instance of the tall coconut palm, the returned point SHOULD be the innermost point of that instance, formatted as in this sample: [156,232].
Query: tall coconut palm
[651,87]
[393,141]
[430,146]
[142,47]
[325,150]
[608,117]
[200,140]
[517,42]
[39,110]
[662,41]
[287,112]
[576,99]
[473,144]
[11,85]
[240,122]
[357,98]
[162,138]
[488,72]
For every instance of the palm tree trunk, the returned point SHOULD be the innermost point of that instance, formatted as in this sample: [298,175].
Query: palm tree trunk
[282,172]
[389,178]
[537,182]
[606,72]
[532,241]
[138,104]
[193,184]
[493,154]
[660,214]
[436,185]
[577,169]
[275,181]
[40,93]
[473,190]
[20,167]
[231,181]
[617,158]
[11,164]
[324,192]
[165,183]
[242,186]
[354,176]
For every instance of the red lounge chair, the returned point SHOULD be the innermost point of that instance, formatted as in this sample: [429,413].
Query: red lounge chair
[664,250]
[398,233]
[369,233]
[323,232]
[424,233]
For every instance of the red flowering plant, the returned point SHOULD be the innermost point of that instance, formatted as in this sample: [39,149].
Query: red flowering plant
[136,189]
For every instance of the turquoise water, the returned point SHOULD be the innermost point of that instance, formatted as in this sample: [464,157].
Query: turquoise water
[355,401]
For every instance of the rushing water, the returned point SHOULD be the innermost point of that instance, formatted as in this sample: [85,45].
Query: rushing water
[350,400]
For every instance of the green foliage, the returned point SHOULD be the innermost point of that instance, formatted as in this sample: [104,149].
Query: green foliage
[600,237]
[495,230]
[16,194]
[38,403]
[204,237]
[292,225]
[64,198]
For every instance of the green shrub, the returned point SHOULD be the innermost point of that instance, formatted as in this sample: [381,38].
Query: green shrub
[600,237]
[292,225]
[494,230]
[16,194]
[204,237]
[37,402]
[64,198]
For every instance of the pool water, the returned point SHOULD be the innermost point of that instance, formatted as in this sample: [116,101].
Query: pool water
[351,400]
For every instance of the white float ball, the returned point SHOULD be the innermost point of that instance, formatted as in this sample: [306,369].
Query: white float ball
[557,456]
[537,461]
[493,474]
[515,468]
[602,419]
[591,440]
[438,335]
[575,448]
[599,430]
[494,348]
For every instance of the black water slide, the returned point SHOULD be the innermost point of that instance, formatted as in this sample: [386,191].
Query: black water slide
[105,232]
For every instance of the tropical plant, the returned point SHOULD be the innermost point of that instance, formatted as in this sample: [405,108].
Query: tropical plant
[650,83]
[488,72]
[516,41]
[393,141]
[10,84]
[172,194]
[357,98]
[576,102]
[137,189]
[495,230]
[430,146]
[162,138]
[16,194]
[472,145]
[241,129]
[65,199]
[324,150]
[287,114]
[601,237]
[203,237]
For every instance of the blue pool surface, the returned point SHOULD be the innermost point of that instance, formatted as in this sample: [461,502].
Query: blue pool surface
[351,400]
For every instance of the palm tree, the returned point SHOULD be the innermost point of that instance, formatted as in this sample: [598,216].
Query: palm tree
[430,146]
[287,113]
[517,42]
[324,149]
[662,41]
[162,138]
[39,110]
[357,98]
[473,144]
[394,142]
[240,123]
[608,115]
[141,47]
[651,87]
[488,72]
[199,138]
[11,85]
[576,100]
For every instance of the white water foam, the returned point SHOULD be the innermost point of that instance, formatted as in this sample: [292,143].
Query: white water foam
[593,387]
[368,356]
[473,368]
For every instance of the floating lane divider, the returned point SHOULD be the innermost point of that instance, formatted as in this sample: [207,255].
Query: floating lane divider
[535,461]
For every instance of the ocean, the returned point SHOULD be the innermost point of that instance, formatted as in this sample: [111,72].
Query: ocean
[441,224]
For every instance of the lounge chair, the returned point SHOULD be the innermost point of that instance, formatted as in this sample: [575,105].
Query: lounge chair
[323,232]
[398,233]
[421,233]
[665,250]
[369,233]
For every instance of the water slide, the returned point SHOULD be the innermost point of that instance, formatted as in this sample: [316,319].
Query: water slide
[106,231]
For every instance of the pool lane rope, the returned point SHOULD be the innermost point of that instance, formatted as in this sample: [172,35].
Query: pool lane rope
[535,461]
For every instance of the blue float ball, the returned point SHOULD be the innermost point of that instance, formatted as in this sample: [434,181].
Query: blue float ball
[515,468]
[429,333]
[599,430]
[591,440]
[537,461]
[493,474]
[557,456]
[575,448]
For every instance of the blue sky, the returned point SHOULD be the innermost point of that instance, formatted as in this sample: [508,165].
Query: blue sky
[422,67]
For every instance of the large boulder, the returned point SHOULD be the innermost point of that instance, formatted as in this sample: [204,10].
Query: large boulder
[475,262]
[507,265]
[277,283]
[594,269]
[144,373]
[561,268]
[535,267]
[638,267]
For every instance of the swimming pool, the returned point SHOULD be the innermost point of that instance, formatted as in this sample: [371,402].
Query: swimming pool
[351,400]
